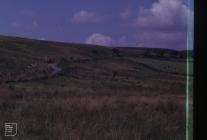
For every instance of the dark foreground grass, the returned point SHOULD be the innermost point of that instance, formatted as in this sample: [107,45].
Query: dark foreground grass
[76,112]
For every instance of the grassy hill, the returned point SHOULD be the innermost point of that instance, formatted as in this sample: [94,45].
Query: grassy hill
[69,91]
[26,56]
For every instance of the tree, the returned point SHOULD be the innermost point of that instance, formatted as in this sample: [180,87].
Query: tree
[94,53]
[175,54]
[147,53]
[116,51]
[161,53]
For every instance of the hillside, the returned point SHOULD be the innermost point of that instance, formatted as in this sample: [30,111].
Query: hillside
[57,90]
[22,57]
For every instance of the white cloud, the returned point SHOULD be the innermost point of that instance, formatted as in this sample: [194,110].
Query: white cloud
[99,39]
[42,38]
[86,17]
[126,14]
[188,15]
[159,39]
[163,13]
[164,24]
[162,39]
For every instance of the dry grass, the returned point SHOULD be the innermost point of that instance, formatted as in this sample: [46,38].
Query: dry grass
[97,112]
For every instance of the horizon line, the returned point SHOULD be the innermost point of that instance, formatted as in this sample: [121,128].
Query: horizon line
[79,43]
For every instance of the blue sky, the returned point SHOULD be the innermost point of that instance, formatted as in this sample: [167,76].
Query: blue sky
[132,23]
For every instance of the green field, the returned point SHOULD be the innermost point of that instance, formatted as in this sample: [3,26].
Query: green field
[62,91]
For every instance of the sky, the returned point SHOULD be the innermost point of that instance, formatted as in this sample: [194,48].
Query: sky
[125,23]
